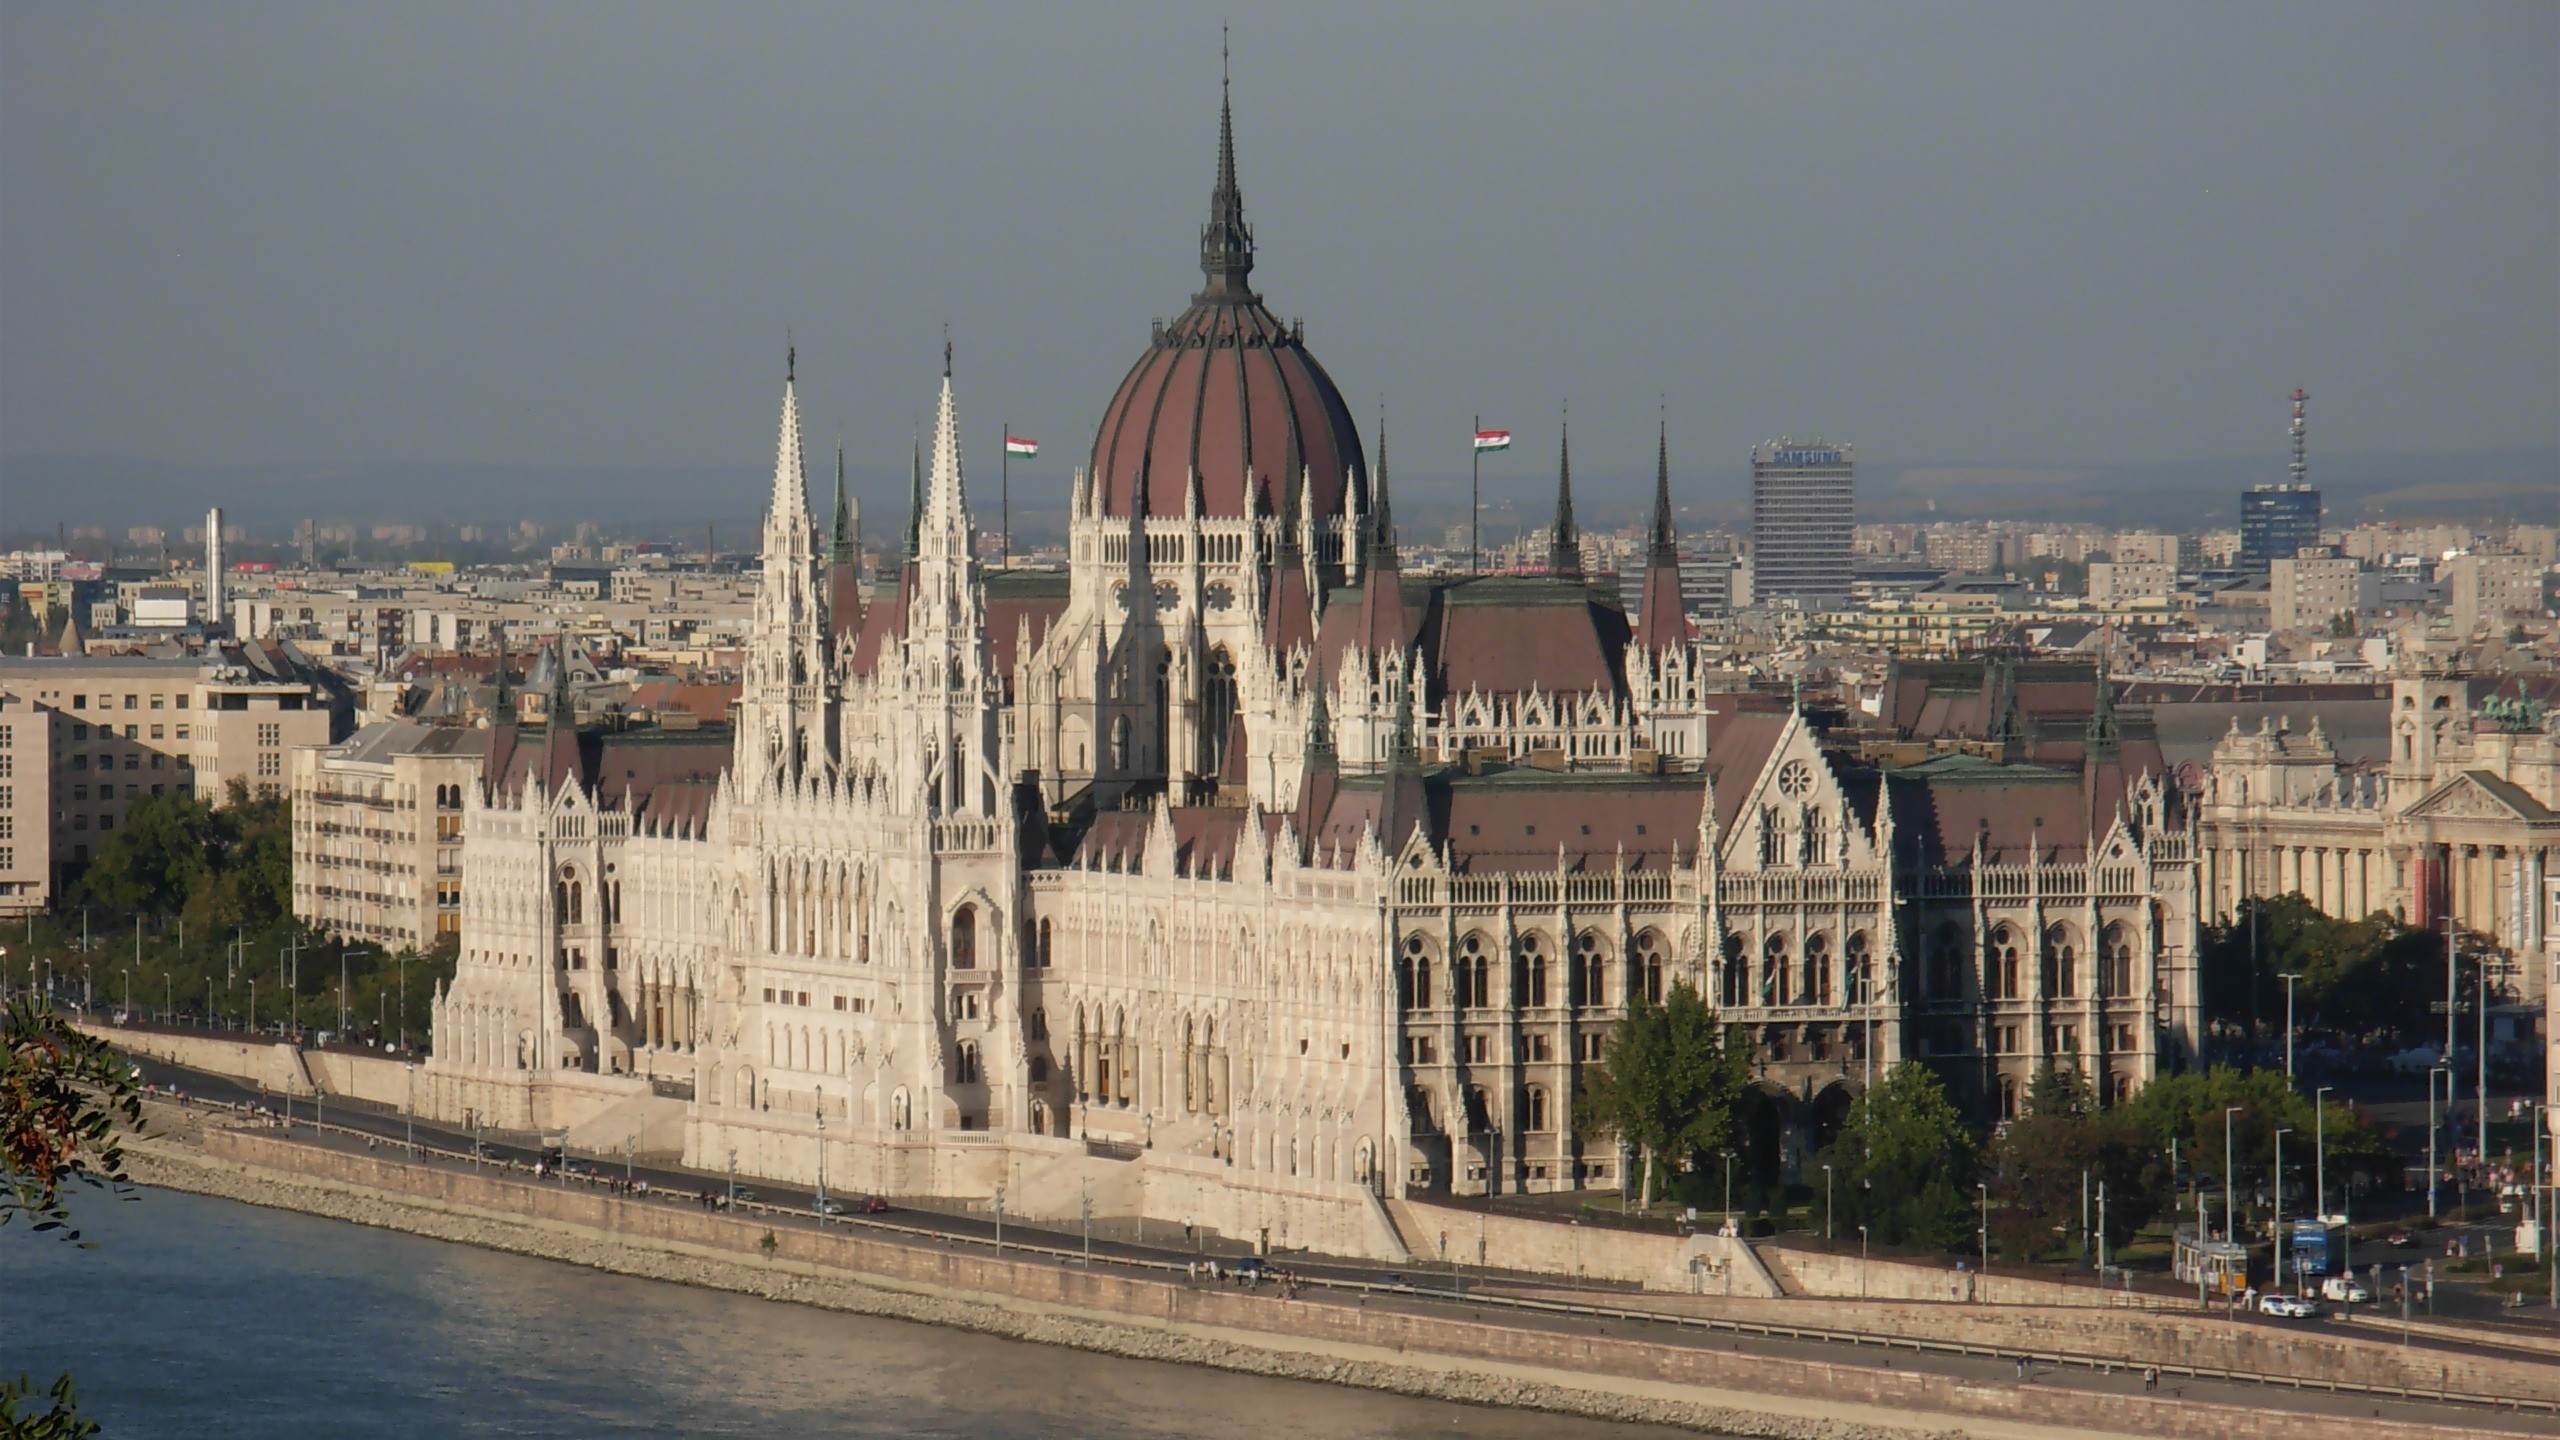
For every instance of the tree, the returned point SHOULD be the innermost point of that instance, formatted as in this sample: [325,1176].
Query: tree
[63,1098]
[1669,1082]
[1905,1161]
[2043,1160]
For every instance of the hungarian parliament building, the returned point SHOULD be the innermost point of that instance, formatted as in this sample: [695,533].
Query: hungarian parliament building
[1232,876]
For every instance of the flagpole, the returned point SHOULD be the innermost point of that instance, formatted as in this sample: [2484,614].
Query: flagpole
[1475,502]
[1004,477]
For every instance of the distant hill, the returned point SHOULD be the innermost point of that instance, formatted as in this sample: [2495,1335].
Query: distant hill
[37,492]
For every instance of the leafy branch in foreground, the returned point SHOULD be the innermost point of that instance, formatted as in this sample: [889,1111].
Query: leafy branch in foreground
[64,1098]
[62,1422]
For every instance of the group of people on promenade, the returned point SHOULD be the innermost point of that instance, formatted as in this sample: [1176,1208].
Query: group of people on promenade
[1245,1276]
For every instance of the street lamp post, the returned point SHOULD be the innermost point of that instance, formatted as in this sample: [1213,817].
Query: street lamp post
[1826,1202]
[404,999]
[732,1204]
[2276,1187]
[2432,1072]
[1862,1262]
[2320,1150]
[1986,1230]
[999,1219]
[822,1154]
[2230,1187]
[2290,976]
[1728,1189]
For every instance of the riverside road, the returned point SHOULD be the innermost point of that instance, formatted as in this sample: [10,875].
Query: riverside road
[1424,1289]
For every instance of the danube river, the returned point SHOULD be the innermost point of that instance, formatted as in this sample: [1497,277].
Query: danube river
[203,1318]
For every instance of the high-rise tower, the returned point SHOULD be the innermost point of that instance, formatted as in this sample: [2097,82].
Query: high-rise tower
[2277,521]
[1803,518]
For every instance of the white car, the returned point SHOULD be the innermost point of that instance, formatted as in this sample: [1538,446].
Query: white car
[2345,1290]
[2291,1307]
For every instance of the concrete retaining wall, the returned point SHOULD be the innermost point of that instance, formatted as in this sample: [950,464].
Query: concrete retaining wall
[1693,1264]
[1816,1273]
[512,1214]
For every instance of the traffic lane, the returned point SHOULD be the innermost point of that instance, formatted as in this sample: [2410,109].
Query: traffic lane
[792,1204]
[672,1188]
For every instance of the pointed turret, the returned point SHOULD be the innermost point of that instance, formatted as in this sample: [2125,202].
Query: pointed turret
[1382,617]
[844,559]
[560,725]
[1226,242]
[1662,620]
[790,478]
[1564,547]
[502,705]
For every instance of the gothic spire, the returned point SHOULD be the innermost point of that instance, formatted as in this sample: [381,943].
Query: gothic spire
[1662,615]
[1564,548]
[1226,242]
[845,541]
[790,477]
[502,706]
[1382,515]
[915,501]
[1666,536]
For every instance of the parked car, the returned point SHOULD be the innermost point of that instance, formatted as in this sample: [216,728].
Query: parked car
[2345,1290]
[2291,1307]
[827,1207]
[2400,1240]
[875,1206]
[1249,1270]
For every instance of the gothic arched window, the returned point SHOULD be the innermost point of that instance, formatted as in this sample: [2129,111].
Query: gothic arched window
[964,938]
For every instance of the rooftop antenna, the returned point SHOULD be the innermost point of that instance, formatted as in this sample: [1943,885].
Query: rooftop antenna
[2301,468]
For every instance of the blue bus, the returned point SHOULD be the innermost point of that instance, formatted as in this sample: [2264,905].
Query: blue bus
[2315,1247]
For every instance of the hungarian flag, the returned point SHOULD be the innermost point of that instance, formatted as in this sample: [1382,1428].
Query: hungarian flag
[1016,446]
[1492,440]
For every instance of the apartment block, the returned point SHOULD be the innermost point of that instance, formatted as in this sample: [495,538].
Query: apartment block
[2307,592]
[377,831]
[2132,582]
[2491,589]
[125,727]
[26,805]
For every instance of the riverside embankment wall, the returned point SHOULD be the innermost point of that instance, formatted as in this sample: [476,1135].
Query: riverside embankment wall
[1562,1364]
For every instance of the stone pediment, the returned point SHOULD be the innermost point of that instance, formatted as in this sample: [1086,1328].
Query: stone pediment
[2479,795]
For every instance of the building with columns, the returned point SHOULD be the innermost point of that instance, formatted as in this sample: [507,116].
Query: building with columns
[1236,877]
[2460,823]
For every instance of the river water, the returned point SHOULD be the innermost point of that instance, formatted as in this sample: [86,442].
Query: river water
[203,1318]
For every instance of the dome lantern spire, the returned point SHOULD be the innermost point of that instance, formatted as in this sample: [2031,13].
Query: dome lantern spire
[1226,242]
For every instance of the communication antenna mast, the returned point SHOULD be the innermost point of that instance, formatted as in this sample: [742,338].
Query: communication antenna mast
[2301,467]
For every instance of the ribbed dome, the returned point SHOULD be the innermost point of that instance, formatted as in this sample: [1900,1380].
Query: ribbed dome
[1224,390]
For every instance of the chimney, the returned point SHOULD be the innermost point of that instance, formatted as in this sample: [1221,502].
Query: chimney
[215,618]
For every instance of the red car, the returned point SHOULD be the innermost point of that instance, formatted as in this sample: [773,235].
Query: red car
[875,1206]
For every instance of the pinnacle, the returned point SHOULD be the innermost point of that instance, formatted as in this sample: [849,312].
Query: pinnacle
[1564,549]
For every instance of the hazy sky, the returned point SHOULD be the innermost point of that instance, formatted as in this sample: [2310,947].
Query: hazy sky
[562,234]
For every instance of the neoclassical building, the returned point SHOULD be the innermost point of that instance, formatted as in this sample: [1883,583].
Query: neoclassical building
[2461,820]
[1234,876]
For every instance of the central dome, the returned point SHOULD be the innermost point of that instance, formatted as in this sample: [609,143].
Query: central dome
[1228,393]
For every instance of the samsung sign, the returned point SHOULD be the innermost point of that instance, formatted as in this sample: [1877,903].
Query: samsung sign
[1805,457]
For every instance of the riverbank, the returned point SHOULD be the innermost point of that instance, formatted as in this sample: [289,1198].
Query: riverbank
[1564,1367]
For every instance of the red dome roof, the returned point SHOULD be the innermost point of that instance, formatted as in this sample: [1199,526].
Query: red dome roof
[1226,390]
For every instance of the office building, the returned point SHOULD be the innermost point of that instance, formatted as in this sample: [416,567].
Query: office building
[1803,515]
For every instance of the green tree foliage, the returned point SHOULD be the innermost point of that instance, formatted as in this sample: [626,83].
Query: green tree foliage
[2039,1162]
[1669,1084]
[63,1098]
[60,1422]
[222,868]
[1904,1162]
[2368,977]
[2189,1109]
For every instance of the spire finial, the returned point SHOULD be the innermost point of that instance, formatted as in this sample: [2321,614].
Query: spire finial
[1666,537]
[1226,242]
[946,349]
[1564,549]
[1381,553]
[790,359]
[843,537]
